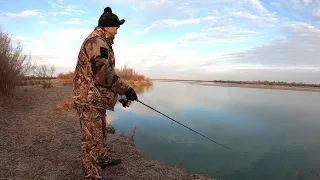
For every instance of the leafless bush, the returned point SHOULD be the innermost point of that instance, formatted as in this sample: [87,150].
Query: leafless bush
[45,72]
[14,65]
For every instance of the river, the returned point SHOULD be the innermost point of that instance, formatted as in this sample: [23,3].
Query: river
[273,134]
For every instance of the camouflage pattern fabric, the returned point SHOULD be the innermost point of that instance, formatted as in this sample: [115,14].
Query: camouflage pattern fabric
[94,148]
[96,82]
[95,89]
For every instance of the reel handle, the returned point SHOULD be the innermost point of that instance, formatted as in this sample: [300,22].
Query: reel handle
[125,102]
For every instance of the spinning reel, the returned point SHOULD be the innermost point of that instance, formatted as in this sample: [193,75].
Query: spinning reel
[125,102]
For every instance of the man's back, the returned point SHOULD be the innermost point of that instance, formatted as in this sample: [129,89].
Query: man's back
[86,88]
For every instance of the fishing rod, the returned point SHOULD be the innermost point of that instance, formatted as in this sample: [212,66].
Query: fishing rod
[126,103]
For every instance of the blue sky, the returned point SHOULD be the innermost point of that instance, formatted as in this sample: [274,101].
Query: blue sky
[195,39]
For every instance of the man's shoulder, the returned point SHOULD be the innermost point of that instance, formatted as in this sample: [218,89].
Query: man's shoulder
[95,38]
[90,37]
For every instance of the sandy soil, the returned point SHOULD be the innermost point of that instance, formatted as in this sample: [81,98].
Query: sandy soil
[39,142]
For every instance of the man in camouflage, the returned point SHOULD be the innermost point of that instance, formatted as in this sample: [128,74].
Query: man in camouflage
[96,87]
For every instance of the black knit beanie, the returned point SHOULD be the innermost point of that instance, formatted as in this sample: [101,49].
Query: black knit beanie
[108,19]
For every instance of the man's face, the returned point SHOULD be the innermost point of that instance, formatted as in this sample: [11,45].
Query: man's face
[112,30]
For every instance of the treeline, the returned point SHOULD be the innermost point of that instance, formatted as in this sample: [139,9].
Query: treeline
[269,83]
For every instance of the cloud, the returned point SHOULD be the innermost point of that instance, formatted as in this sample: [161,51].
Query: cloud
[75,21]
[22,14]
[43,22]
[202,30]
[213,22]
[24,40]
[72,21]
[169,23]
[68,10]
[301,49]
[298,49]
[65,44]
[172,56]
[60,47]
[257,4]
[166,9]
[117,1]
[65,35]
[317,13]
[307,2]
[60,13]
[232,28]
[227,34]
[159,9]
[249,16]
[226,24]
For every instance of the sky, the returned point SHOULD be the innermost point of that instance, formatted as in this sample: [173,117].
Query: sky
[180,39]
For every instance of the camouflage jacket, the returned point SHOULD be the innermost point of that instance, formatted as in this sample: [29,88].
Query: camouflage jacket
[95,80]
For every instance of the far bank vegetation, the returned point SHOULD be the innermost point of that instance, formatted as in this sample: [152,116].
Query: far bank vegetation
[129,75]
[266,83]
[132,77]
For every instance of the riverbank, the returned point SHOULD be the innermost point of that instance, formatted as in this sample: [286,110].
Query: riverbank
[260,85]
[40,142]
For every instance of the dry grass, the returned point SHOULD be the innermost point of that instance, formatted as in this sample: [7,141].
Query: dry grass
[66,79]
[146,82]
[64,105]
[132,77]
[133,134]
[46,82]
[129,74]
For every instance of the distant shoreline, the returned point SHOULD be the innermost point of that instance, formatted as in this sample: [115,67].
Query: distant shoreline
[252,84]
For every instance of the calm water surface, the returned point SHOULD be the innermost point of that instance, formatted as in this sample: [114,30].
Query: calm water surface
[272,133]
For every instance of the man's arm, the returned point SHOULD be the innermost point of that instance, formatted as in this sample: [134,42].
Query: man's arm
[98,54]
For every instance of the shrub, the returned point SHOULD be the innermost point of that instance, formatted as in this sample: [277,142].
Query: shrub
[64,105]
[132,77]
[66,79]
[14,65]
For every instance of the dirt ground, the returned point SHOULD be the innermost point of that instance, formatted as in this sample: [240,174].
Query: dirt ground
[39,142]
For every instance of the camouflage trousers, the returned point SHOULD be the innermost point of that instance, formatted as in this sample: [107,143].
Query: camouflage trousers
[94,148]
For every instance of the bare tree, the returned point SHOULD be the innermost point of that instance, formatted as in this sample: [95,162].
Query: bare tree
[14,65]
[45,72]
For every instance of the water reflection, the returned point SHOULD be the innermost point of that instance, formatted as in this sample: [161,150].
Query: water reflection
[271,132]
[142,89]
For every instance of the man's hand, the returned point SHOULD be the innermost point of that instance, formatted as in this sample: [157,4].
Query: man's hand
[131,94]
